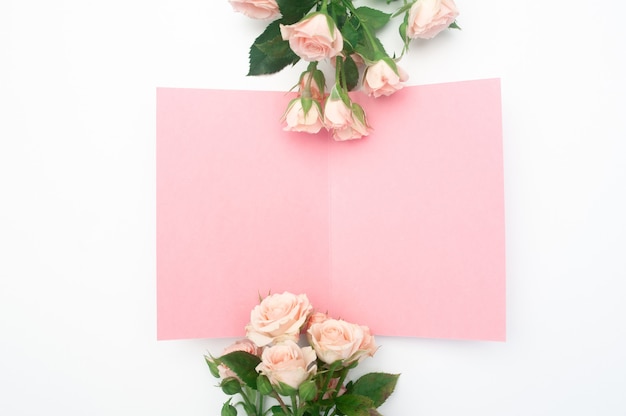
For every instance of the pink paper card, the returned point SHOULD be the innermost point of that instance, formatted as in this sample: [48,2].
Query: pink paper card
[402,231]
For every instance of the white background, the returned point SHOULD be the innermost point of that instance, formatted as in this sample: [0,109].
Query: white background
[77,207]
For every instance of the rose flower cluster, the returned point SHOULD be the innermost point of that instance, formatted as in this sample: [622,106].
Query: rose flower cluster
[344,35]
[271,372]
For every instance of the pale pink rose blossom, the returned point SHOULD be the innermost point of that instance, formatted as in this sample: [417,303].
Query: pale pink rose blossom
[368,345]
[297,120]
[345,122]
[316,318]
[429,17]
[336,113]
[310,85]
[277,318]
[337,340]
[314,38]
[381,79]
[356,130]
[242,345]
[257,9]
[287,363]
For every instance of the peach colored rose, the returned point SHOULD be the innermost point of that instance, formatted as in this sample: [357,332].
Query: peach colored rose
[338,340]
[298,119]
[287,363]
[278,317]
[314,38]
[429,17]
[316,318]
[241,345]
[368,345]
[336,112]
[382,79]
[257,9]
[311,84]
[345,122]
[358,60]
[332,386]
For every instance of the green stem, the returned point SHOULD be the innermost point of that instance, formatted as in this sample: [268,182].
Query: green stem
[259,401]
[294,405]
[327,381]
[339,77]
[281,403]
[307,88]
[371,39]
[249,403]
[342,378]
[324,8]
[331,372]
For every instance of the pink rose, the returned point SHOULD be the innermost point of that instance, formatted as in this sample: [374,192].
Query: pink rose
[298,119]
[316,318]
[345,121]
[257,9]
[287,363]
[312,84]
[332,386]
[429,17]
[314,38]
[383,79]
[241,345]
[368,345]
[338,340]
[278,317]
[358,60]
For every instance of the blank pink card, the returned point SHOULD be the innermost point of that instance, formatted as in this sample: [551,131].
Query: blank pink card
[402,231]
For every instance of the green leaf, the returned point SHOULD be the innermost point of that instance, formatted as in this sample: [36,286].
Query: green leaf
[351,35]
[244,365]
[369,47]
[373,18]
[277,411]
[376,386]
[369,53]
[354,405]
[293,11]
[270,53]
[338,13]
[351,72]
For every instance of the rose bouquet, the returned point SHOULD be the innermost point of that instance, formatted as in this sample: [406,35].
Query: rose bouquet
[269,372]
[346,36]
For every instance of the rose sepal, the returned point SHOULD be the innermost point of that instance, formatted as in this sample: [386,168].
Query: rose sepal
[210,361]
[231,386]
